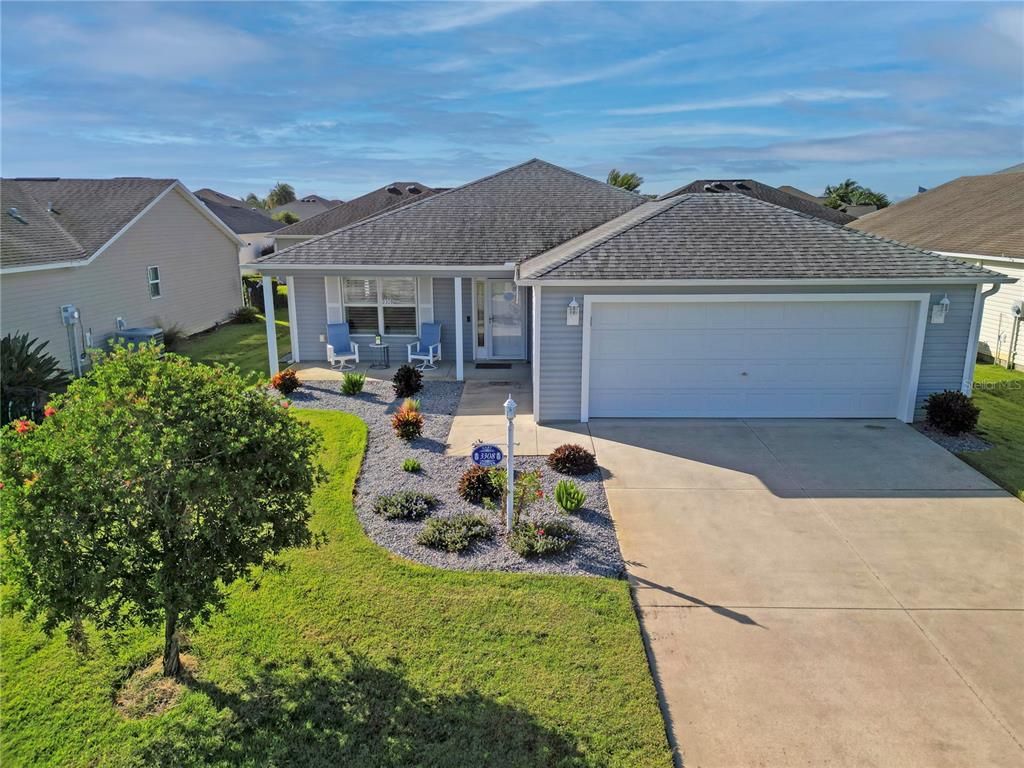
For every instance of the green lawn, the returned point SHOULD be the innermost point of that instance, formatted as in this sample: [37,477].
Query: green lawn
[243,345]
[1000,395]
[353,657]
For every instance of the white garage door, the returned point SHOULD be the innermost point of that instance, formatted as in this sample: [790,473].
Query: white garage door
[750,358]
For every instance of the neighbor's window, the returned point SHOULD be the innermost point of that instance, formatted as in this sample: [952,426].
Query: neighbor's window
[384,305]
[154,282]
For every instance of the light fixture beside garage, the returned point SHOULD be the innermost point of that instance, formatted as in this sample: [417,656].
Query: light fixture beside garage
[572,312]
[940,310]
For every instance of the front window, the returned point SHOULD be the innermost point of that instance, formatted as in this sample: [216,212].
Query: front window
[385,306]
[154,282]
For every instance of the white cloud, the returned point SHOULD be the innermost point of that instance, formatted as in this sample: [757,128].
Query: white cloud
[807,95]
[533,79]
[382,20]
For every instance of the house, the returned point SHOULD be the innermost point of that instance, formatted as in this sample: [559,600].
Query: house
[980,220]
[307,206]
[698,305]
[852,211]
[802,203]
[252,225]
[126,252]
[379,200]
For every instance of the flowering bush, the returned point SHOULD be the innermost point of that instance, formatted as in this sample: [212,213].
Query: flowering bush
[285,382]
[541,538]
[526,492]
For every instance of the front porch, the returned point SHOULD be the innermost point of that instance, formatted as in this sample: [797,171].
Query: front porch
[517,372]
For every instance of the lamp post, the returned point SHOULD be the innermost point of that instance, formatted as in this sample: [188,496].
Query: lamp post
[510,414]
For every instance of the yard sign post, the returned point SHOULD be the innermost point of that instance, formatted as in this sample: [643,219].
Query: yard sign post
[510,414]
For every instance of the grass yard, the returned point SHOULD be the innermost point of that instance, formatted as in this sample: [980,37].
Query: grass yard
[1000,395]
[243,345]
[353,657]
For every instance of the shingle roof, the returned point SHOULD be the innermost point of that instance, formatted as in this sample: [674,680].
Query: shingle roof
[972,214]
[769,194]
[241,219]
[213,196]
[359,208]
[86,214]
[507,217]
[306,206]
[734,237]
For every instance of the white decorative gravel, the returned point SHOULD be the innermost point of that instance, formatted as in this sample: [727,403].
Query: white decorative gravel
[968,441]
[596,553]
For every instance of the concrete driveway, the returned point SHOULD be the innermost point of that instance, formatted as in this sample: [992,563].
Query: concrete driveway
[821,592]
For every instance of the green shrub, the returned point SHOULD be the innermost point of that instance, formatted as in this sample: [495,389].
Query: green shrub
[572,459]
[407,422]
[352,383]
[405,505]
[454,534]
[411,465]
[527,490]
[245,315]
[285,382]
[173,336]
[952,411]
[407,381]
[568,496]
[542,537]
[477,485]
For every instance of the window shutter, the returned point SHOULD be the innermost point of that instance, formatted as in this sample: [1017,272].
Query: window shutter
[426,296]
[332,286]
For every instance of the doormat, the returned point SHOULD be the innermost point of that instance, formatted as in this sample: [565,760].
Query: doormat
[494,366]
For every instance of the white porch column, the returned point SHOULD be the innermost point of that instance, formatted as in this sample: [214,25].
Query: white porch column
[268,304]
[293,319]
[459,372]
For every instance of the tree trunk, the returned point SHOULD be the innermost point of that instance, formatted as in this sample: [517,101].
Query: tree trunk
[172,657]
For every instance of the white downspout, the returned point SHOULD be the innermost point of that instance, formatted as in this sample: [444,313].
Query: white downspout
[967,384]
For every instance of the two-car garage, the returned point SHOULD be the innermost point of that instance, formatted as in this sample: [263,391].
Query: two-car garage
[824,355]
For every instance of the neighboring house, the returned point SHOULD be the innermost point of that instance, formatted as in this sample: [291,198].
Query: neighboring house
[980,220]
[253,226]
[139,252]
[208,195]
[698,305]
[307,206]
[852,211]
[379,200]
[769,194]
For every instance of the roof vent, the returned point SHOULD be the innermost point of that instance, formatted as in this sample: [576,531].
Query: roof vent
[722,186]
[709,188]
[412,189]
[394,190]
[13,213]
[741,185]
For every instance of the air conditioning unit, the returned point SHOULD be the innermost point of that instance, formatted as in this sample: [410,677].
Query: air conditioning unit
[136,336]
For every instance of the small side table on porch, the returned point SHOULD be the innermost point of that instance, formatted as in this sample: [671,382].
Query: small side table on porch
[383,355]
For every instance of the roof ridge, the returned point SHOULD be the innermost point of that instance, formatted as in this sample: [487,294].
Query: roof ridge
[587,178]
[613,233]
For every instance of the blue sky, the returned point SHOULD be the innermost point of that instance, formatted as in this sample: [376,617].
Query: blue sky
[339,98]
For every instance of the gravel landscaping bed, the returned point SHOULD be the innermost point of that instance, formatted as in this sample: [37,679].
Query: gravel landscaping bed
[953,443]
[596,553]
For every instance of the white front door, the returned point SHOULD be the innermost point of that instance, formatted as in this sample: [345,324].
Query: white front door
[505,310]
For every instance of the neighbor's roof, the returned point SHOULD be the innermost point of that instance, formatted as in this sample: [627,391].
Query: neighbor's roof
[306,206]
[760,191]
[507,217]
[86,214]
[213,196]
[973,214]
[359,208]
[241,219]
[729,236]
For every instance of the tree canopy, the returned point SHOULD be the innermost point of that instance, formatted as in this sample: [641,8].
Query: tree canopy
[281,193]
[255,201]
[151,483]
[285,217]
[630,181]
[849,192]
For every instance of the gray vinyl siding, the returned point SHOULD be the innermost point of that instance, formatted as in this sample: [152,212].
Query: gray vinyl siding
[311,316]
[444,313]
[199,281]
[561,345]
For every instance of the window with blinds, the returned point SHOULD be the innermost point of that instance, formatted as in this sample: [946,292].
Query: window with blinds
[385,306]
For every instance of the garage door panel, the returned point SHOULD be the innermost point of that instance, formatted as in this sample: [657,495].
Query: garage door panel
[749,359]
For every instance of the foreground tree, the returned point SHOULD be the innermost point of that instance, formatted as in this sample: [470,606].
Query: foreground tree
[849,192]
[151,483]
[281,193]
[630,181]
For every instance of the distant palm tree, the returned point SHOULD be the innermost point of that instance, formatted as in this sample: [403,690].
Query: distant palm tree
[281,193]
[849,192]
[630,181]
[254,201]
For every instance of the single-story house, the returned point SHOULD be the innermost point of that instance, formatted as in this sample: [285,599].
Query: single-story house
[254,227]
[83,258]
[802,203]
[698,305]
[979,220]
[363,207]
[306,206]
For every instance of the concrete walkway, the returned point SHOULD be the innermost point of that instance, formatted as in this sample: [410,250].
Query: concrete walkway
[821,592]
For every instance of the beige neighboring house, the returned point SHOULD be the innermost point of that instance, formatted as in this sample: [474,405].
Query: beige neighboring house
[253,226]
[977,220]
[83,258]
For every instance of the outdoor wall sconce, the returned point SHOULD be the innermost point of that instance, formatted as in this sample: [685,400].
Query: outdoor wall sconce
[940,310]
[572,312]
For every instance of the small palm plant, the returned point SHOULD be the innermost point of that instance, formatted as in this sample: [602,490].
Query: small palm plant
[27,375]
[568,496]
